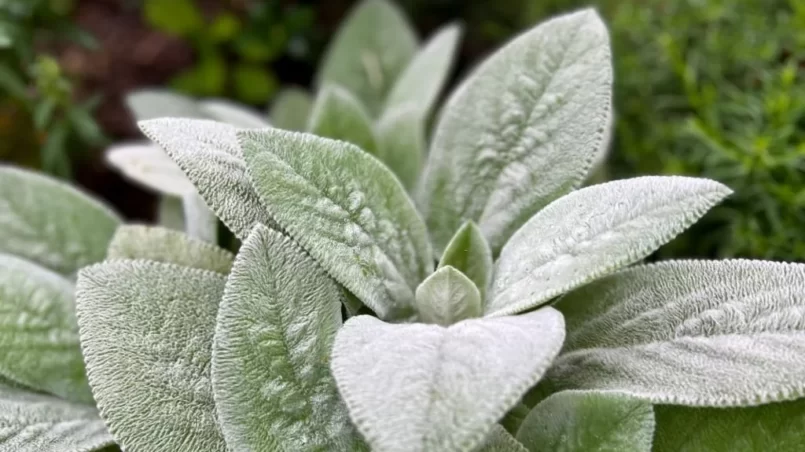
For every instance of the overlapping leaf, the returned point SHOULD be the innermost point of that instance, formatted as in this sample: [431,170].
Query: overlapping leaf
[347,210]
[50,223]
[499,440]
[276,326]
[147,164]
[469,252]
[291,109]
[146,332]
[417,387]
[158,103]
[337,114]
[447,297]
[592,232]
[231,113]
[521,131]
[401,143]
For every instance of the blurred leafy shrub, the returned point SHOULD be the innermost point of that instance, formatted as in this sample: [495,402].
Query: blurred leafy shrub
[235,45]
[41,125]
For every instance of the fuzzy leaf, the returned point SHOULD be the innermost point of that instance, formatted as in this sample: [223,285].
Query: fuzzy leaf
[447,297]
[595,231]
[200,221]
[32,422]
[771,427]
[146,332]
[158,103]
[291,109]
[337,114]
[368,53]
[38,332]
[581,421]
[51,223]
[347,210]
[424,77]
[417,387]
[149,166]
[702,333]
[276,326]
[168,246]
[469,252]
[401,143]
[499,440]
[521,131]
[209,154]
[232,113]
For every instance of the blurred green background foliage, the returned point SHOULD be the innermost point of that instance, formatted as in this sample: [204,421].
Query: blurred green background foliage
[710,88]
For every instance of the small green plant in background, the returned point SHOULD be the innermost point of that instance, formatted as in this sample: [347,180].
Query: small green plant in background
[41,123]
[235,46]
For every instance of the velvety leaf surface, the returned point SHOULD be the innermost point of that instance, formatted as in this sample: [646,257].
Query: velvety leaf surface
[209,154]
[418,387]
[158,103]
[772,427]
[702,333]
[469,252]
[149,166]
[371,48]
[146,332]
[31,422]
[521,131]
[447,297]
[582,421]
[38,332]
[232,113]
[347,210]
[594,231]
[337,114]
[499,440]
[51,223]
[168,246]
[291,109]
[424,77]
[401,143]
[277,321]
[200,221]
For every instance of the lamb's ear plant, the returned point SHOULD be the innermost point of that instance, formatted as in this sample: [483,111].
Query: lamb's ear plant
[507,312]
[48,230]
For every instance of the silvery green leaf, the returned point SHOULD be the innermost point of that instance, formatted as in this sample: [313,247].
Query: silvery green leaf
[149,166]
[232,113]
[521,131]
[51,223]
[170,212]
[512,420]
[347,210]
[146,333]
[158,103]
[168,246]
[469,252]
[401,143]
[499,440]
[595,231]
[702,333]
[39,345]
[209,154]
[584,421]
[31,422]
[337,114]
[276,325]
[771,427]
[422,80]
[447,297]
[291,109]
[200,221]
[368,53]
[418,387]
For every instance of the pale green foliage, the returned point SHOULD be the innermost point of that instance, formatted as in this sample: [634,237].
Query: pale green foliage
[149,166]
[594,231]
[51,223]
[521,131]
[346,210]
[370,50]
[168,246]
[199,220]
[646,332]
[38,331]
[499,440]
[580,421]
[231,113]
[146,332]
[337,114]
[40,423]
[447,297]
[156,103]
[276,326]
[291,109]
[469,252]
[417,387]
[401,143]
